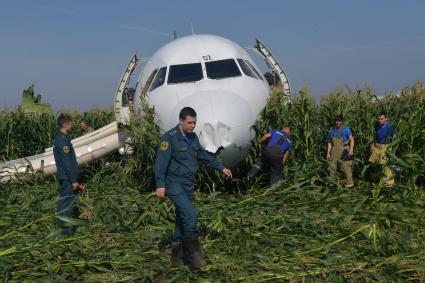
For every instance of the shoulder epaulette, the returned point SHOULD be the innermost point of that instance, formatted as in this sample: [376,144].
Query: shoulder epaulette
[172,133]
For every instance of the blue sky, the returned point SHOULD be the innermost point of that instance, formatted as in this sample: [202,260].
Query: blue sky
[75,51]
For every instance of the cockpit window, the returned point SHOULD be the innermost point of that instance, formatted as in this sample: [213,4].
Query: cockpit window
[185,73]
[246,69]
[159,79]
[255,70]
[149,81]
[222,69]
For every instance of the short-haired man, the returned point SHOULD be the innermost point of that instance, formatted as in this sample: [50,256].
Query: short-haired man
[67,172]
[85,127]
[274,154]
[384,134]
[340,151]
[175,168]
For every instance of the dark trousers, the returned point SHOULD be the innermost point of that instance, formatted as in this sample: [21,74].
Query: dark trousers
[270,159]
[66,206]
[181,195]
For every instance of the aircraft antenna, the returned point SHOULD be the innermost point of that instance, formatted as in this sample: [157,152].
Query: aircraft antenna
[191,26]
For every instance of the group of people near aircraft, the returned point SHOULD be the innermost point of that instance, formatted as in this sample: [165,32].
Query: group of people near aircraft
[176,165]
[340,150]
[277,144]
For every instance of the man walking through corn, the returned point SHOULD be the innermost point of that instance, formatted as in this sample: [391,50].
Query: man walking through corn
[384,134]
[175,169]
[340,151]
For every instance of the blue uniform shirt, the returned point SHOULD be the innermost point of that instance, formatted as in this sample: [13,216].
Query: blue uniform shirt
[343,133]
[385,134]
[277,137]
[177,158]
[65,159]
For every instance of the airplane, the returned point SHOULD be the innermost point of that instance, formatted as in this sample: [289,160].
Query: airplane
[209,73]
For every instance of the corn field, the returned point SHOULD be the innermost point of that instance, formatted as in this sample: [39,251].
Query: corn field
[308,228]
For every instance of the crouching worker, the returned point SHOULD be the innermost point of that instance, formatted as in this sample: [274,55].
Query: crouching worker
[340,151]
[67,172]
[274,154]
[175,168]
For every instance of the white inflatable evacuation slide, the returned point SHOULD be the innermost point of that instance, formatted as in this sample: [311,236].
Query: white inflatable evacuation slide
[87,148]
[91,146]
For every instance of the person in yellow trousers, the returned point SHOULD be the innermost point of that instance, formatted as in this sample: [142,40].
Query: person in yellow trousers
[384,134]
[340,151]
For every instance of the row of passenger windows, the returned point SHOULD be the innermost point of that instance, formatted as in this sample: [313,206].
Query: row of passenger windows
[186,73]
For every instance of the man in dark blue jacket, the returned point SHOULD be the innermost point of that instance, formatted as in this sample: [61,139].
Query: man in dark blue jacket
[175,168]
[67,172]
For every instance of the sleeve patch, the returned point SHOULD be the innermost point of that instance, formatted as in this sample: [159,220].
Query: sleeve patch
[66,149]
[163,146]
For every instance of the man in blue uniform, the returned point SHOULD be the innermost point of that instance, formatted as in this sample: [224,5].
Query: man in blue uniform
[340,151]
[175,168]
[274,154]
[67,172]
[384,134]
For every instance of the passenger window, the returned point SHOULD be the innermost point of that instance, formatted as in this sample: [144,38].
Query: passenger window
[185,73]
[222,69]
[255,70]
[159,79]
[148,82]
[246,69]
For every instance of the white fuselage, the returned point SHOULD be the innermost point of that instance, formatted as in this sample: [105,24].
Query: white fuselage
[215,84]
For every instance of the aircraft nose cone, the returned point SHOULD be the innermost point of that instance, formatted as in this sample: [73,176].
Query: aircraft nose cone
[224,118]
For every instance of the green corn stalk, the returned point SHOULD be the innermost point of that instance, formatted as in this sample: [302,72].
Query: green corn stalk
[305,229]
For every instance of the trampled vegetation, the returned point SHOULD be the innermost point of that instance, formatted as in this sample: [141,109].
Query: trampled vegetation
[307,228]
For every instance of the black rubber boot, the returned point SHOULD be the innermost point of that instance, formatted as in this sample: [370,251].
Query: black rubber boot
[177,253]
[254,171]
[192,252]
